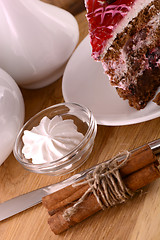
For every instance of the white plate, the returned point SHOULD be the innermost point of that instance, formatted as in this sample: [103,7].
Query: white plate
[84,82]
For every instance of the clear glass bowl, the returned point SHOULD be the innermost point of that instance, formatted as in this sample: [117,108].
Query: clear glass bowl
[86,124]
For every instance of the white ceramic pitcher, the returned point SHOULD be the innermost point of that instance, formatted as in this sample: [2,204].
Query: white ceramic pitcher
[36,40]
[11,114]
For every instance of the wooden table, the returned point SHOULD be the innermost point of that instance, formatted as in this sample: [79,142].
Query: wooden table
[139,218]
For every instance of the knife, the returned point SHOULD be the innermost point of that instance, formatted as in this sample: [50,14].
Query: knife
[28,200]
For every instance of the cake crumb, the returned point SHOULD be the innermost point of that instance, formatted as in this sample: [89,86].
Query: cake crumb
[157,99]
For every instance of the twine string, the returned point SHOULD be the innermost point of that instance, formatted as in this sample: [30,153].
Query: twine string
[106,184]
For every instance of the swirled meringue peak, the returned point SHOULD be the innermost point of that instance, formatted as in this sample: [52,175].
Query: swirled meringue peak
[50,140]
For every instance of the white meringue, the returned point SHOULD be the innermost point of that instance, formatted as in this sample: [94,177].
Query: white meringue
[50,140]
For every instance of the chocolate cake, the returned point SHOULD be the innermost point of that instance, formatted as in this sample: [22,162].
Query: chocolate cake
[125,37]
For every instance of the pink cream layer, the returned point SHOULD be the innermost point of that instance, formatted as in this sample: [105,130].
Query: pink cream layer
[103,18]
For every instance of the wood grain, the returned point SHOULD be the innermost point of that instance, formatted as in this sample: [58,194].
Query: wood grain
[73,6]
[138,219]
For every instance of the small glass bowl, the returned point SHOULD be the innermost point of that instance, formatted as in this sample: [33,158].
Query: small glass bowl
[86,124]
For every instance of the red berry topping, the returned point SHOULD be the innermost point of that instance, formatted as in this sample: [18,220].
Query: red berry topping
[103,18]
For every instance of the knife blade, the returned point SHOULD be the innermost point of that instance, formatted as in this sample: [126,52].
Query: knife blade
[30,199]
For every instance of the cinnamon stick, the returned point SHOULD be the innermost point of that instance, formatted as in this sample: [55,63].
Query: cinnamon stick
[76,194]
[90,205]
[137,160]
[142,177]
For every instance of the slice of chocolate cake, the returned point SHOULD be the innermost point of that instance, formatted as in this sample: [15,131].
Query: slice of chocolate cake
[125,37]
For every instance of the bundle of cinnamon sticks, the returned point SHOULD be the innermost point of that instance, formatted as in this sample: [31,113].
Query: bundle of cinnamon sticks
[140,169]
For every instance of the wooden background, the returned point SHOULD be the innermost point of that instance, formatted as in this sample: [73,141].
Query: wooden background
[138,219]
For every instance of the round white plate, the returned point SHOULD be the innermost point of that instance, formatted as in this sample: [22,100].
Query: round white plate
[84,82]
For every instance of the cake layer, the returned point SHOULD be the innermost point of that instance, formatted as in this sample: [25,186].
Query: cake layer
[127,58]
[133,60]
[107,19]
[125,37]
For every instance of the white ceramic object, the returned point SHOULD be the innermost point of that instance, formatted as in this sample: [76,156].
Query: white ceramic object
[11,114]
[91,88]
[36,41]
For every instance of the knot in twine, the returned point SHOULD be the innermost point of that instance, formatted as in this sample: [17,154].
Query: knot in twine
[106,184]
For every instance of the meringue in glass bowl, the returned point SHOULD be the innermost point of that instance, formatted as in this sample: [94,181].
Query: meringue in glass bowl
[56,140]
